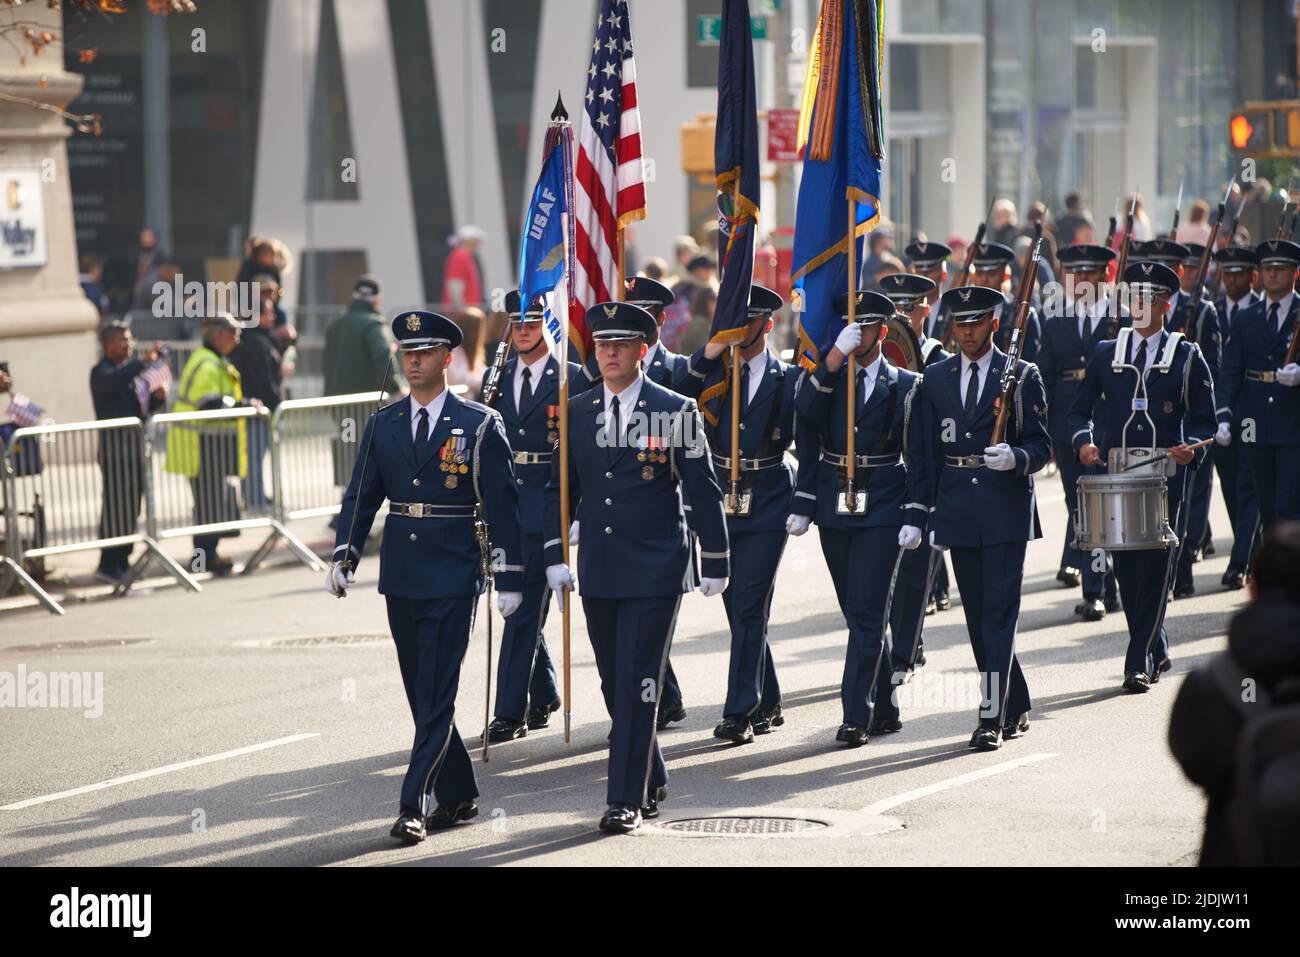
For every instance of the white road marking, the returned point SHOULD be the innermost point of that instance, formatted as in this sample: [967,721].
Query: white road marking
[141,775]
[880,807]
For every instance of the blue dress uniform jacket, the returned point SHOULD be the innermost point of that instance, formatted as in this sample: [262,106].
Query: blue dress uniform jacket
[435,557]
[1231,462]
[524,670]
[886,425]
[668,369]
[1207,331]
[1271,411]
[1033,329]
[634,541]
[978,506]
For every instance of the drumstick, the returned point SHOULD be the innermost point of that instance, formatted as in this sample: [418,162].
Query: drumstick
[1164,455]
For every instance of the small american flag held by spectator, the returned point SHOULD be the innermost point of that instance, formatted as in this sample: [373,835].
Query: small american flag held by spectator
[23,412]
[154,377]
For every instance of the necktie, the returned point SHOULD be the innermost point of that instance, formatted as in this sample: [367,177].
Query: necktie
[1086,325]
[1232,313]
[744,389]
[616,437]
[973,389]
[526,389]
[1140,360]
[1272,317]
[421,435]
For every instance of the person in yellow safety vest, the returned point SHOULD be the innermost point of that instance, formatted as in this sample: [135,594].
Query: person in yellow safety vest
[207,455]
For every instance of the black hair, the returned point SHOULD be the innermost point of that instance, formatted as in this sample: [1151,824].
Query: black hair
[1277,563]
[111,330]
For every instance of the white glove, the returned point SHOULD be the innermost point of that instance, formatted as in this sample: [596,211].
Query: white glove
[797,524]
[999,457]
[573,532]
[338,581]
[561,579]
[1224,435]
[1289,375]
[937,548]
[909,536]
[712,586]
[508,602]
[849,339]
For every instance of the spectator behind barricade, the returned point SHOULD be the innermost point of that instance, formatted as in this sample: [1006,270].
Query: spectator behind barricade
[467,363]
[462,279]
[1196,228]
[879,243]
[359,346]
[1236,720]
[123,385]
[260,362]
[266,256]
[685,248]
[1142,228]
[1003,226]
[208,454]
[1076,217]
[1038,214]
[92,281]
[146,260]
[703,300]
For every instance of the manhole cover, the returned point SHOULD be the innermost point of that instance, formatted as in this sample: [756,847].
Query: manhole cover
[78,644]
[316,640]
[744,826]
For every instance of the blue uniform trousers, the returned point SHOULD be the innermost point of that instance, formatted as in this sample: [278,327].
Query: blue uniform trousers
[861,563]
[907,612]
[1238,487]
[751,677]
[431,636]
[989,579]
[524,670]
[1095,581]
[1198,518]
[1276,471]
[630,638]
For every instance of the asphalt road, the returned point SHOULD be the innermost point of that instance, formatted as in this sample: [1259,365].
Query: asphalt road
[216,744]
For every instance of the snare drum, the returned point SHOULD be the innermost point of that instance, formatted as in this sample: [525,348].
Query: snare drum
[1124,512]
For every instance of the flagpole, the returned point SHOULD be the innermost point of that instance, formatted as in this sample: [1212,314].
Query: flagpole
[735,378]
[851,449]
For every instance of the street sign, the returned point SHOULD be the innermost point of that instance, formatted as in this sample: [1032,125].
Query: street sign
[782,136]
[708,29]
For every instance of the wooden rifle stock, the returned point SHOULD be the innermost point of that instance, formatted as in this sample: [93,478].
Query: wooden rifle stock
[963,277]
[1198,287]
[1024,295]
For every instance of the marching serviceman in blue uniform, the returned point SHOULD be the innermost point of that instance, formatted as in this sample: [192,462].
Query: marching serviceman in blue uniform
[1261,390]
[634,448]
[528,402]
[441,462]
[1185,261]
[930,259]
[920,566]
[757,530]
[862,549]
[991,269]
[982,497]
[1147,389]
[1238,268]
[1068,340]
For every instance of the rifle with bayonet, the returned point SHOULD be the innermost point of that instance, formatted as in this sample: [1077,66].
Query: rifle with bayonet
[1016,348]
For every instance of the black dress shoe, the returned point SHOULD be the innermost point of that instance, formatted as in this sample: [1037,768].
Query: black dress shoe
[1069,577]
[942,602]
[1208,550]
[620,819]
[409,829]
[447,815]
[931,606]
[503,729]
[539,716]
[764,721]
[650,809]
[920,657]
[1016,726]
[1183,591]
[1091,609]
[669,715]
[854,735]
[1233,578]
[986,738]
[1137,683]
[1111,604]
[735,730]
[886,726]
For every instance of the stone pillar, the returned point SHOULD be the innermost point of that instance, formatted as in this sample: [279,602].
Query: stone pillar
[46,323]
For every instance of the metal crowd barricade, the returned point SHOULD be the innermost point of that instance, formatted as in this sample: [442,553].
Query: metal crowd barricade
[74,487]
[208,474]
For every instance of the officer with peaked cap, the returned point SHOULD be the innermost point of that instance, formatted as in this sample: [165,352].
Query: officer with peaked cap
[634,447]
[1086,319]
[930,259]
[1147,391]
[1261,390]
[441,462]
[528,401]
[991,267]
[1238,268]
[981,497]
[756,529]
[863,547]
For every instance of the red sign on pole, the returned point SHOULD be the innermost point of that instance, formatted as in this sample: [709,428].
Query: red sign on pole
[783,136]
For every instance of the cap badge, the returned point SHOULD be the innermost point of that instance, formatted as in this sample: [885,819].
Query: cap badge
[964,294]
[1146,268]
[412,322]
[610,311]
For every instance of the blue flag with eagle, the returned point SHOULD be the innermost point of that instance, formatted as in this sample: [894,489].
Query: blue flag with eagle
[735,166]
[842,136]
[541,254]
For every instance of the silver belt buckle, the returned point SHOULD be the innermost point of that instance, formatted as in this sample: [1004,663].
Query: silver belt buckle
[738,503]
[521,458]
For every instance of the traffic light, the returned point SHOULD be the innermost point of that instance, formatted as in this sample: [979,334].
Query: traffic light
[1266,129]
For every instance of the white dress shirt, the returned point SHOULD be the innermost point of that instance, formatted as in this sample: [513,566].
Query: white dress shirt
[627,400]
[1155,345]
[985,362]
[434,408]
[757,369]
[536,370]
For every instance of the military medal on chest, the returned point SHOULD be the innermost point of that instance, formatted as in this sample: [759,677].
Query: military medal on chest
[552,423]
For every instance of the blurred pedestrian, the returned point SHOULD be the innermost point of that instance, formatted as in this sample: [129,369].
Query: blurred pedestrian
[260,361]
[1196,228]
[92,282]
[703,299]
[1004,225]
[467,363]
[1075,218]
[123,385]
[462,279]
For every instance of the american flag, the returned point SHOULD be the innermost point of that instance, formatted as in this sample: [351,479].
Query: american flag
[610,172]
[155,376]
[23,412]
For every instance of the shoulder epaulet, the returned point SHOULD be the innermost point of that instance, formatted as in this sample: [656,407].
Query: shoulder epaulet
[486,410]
